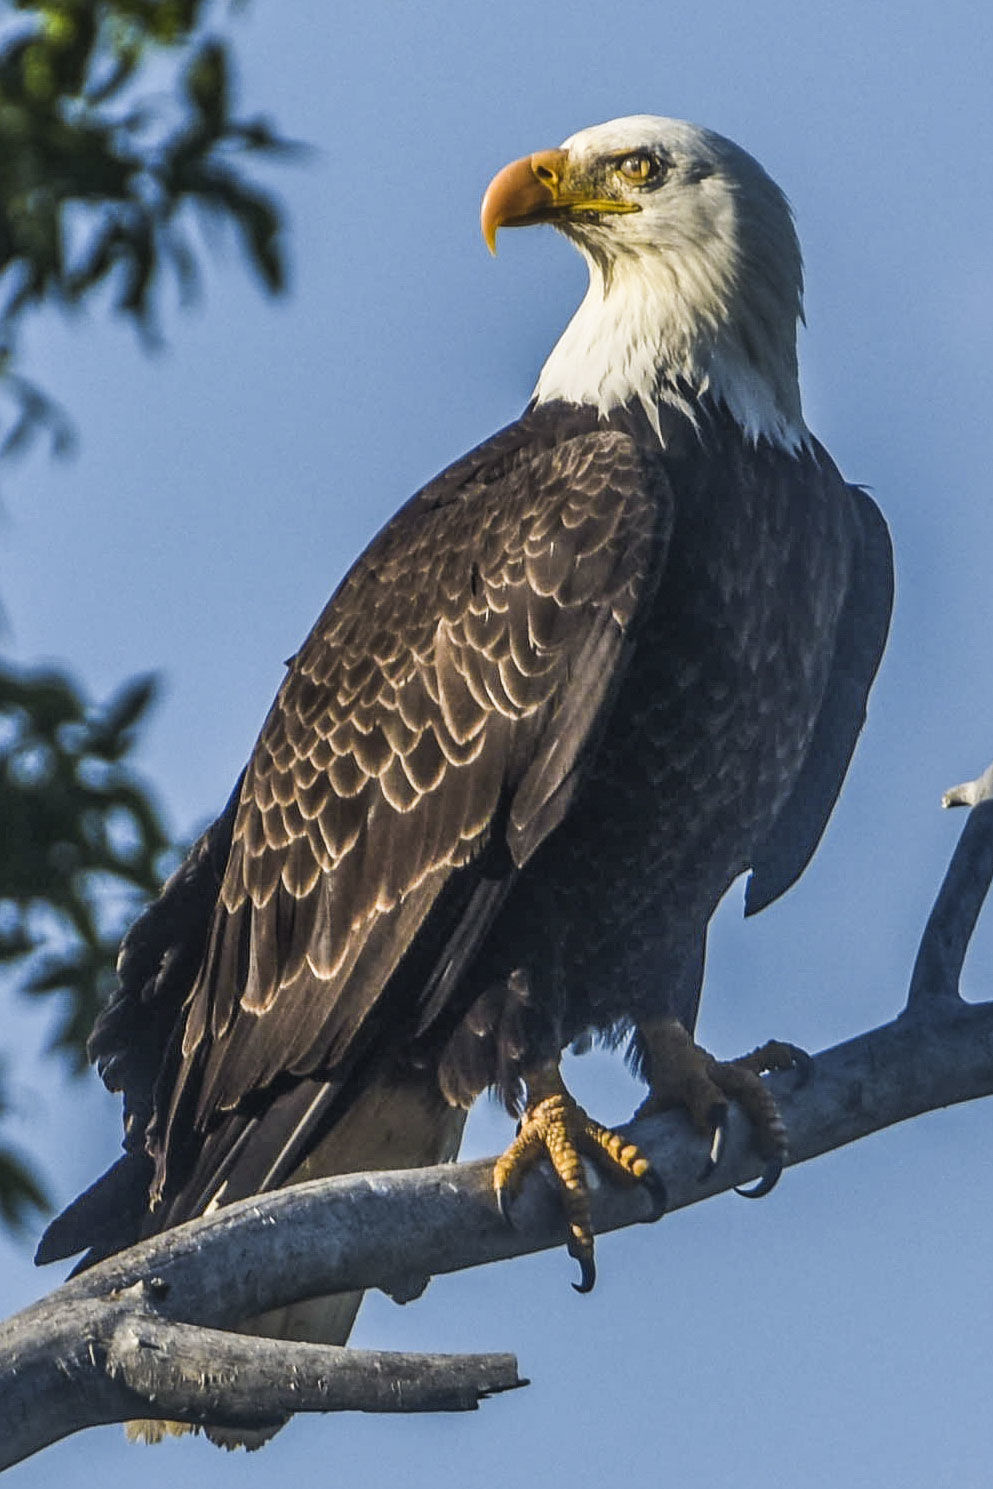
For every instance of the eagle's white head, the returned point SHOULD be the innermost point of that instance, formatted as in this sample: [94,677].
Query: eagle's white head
[696,280]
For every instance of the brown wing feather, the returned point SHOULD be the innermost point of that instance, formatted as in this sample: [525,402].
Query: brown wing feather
[449,686]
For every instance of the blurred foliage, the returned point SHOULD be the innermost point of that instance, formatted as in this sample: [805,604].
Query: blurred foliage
[116,131]
[117,141]
[83,847]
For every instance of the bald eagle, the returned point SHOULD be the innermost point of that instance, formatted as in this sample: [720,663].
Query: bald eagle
[601,666]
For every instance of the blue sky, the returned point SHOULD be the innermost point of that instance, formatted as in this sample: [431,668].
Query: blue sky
[840,1332]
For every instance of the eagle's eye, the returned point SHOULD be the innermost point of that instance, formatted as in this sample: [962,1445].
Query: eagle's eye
[640,166]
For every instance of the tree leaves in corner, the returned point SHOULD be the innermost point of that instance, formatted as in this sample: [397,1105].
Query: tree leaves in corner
[103,171]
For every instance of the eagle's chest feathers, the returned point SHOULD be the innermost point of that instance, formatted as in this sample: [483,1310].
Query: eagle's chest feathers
[719,702]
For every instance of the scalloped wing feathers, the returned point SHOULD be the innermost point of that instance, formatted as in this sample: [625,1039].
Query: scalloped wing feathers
[425,741]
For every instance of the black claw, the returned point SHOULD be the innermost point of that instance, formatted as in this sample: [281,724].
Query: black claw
[587,1268]
[765,1185]
[657,1193]
[804,1066]
[718,1135]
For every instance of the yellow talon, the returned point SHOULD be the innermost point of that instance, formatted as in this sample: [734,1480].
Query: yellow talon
[553,1125]
[682,1074]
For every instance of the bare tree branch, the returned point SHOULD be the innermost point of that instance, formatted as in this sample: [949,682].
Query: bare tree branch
[138,1334]
[164,1362]
[74,1362]
[946,938]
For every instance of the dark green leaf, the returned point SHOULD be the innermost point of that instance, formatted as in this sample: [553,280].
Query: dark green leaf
[21,1191]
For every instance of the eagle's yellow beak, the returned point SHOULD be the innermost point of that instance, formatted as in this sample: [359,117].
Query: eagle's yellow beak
[537,189]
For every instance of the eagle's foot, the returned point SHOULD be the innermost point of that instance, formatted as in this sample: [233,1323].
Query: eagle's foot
[554,1126]
[683,1074]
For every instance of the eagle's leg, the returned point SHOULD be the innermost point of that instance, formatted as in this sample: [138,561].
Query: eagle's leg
[554,1126]
[680,1073]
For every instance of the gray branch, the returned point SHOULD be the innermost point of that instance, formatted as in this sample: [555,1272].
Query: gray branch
[168,1363]
[148,1333]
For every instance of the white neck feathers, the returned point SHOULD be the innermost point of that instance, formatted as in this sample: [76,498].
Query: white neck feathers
[639,336]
